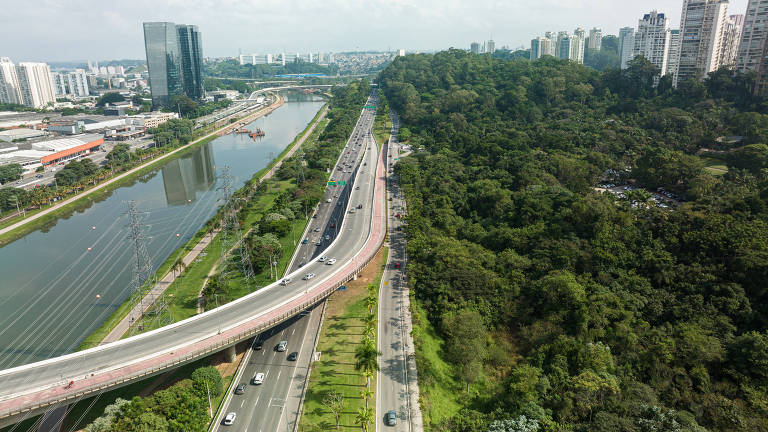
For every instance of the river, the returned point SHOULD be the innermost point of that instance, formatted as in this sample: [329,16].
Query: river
[57,285]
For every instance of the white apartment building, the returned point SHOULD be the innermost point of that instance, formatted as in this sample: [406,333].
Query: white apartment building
[754,40]
[60,84]
[626,45]
[254,59]
[579,40]
[9,82]
[77,82]
[652,40]
[734,26]
[540,47]
[702,28]
[595,39]
[35,84]
[673,55]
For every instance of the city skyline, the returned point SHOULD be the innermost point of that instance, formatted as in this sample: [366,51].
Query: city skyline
[377,25]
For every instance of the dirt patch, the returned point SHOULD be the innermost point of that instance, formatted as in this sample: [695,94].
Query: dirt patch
[340,300]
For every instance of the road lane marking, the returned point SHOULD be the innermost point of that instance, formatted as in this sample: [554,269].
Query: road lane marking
[257,400]
[242,403]
[278,374]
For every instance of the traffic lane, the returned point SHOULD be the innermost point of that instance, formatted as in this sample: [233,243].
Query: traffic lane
[47,374]
[266,360]
[145,346]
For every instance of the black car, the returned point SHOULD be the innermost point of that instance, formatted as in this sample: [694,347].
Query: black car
[292,356]
[240,389]
[258,345]
[391,418]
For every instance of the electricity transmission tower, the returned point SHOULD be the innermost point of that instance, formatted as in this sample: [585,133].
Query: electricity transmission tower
[231,236]
[141,270]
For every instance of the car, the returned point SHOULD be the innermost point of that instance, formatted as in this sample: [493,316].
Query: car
[352,211]
[305,241]
[39,176]
[333,179]
[331,261]
[240,389]
[230,419]
[390,418]
[397,265]
[301,264]
[357,187]
[329,200]
[308,276]
[316,230]
[282,346]
[333,225]
[318,243]
[258,345]
[359,206]
[327,237]
[322,259]
[335,195]
[258,379]
[338,203]
[292,356]
[285,281]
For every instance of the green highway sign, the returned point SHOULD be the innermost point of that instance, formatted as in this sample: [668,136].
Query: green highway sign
[331,183]
[342,183]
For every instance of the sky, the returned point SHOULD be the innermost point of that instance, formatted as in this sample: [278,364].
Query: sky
[79,30]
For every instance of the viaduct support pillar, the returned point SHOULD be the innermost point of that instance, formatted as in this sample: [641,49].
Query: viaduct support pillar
[230,354]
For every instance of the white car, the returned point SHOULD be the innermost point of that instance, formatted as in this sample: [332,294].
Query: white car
[308,276]
[230,419]
[331,261]
[285,281]
[258,378]
[328,200]
[322,259]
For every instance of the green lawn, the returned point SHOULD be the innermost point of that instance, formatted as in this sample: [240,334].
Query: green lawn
[714,166]
[342,332]
[439,390]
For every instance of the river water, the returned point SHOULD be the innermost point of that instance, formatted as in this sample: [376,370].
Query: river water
[50,280]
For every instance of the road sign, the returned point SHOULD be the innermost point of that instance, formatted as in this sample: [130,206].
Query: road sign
[342,183]
[331,183]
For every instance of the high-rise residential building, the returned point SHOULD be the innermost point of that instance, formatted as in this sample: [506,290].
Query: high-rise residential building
[673,54]
[35,84]
[595,39]
[652,40]
[552,36]
[540,47]
[400,53]
[701,38]
[191,50]
[475,48]
[490,47]
[734,26]
[174,60]
[77,82]
[752,52]
[579,41]
[626,45]
[9,82]
[60,84]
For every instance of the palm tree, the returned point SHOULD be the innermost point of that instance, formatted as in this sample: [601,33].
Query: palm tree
[370,302]
[373,290]
[370,330]
[366,394]
[178,266]
[367,359]
[364,417]
[369,319]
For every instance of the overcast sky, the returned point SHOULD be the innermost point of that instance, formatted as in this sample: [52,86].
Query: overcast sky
[70,30]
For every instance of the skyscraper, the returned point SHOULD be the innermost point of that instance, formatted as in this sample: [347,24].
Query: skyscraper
[191,50]
[77,82]
[579,39]
[59,83]
[673,55]
[35,84]
[652,40]
[734,25]
[754,40]
[626,45]
[475,48]
[701,38]
[490,47]
[9,82]
[540,47]
[595,39]
[174,60]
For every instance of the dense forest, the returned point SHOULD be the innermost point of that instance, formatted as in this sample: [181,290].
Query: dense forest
[566,308]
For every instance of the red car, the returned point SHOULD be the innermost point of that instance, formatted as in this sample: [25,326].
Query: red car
[397,265]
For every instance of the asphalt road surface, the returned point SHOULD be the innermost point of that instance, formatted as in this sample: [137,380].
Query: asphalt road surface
[273,405]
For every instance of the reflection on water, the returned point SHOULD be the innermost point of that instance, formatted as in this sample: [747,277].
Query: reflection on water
[59,284]
[184,178]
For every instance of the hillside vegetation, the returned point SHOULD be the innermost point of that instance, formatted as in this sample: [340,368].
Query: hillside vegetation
[561,308]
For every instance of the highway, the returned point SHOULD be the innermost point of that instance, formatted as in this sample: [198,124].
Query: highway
[53,381]
[273,405]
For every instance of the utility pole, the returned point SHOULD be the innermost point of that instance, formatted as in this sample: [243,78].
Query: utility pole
[210,408]
[142,266]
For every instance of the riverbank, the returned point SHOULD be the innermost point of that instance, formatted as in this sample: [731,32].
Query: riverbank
[180,286]
[41,218]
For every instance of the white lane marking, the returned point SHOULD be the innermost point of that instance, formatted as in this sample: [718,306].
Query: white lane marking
[278,374]
[257,400]
[294,331]
[242,403]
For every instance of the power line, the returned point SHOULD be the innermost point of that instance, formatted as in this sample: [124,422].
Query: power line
[142,266]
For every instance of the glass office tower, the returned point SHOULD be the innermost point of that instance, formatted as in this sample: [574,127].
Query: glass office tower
[190,46]
[174,60]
